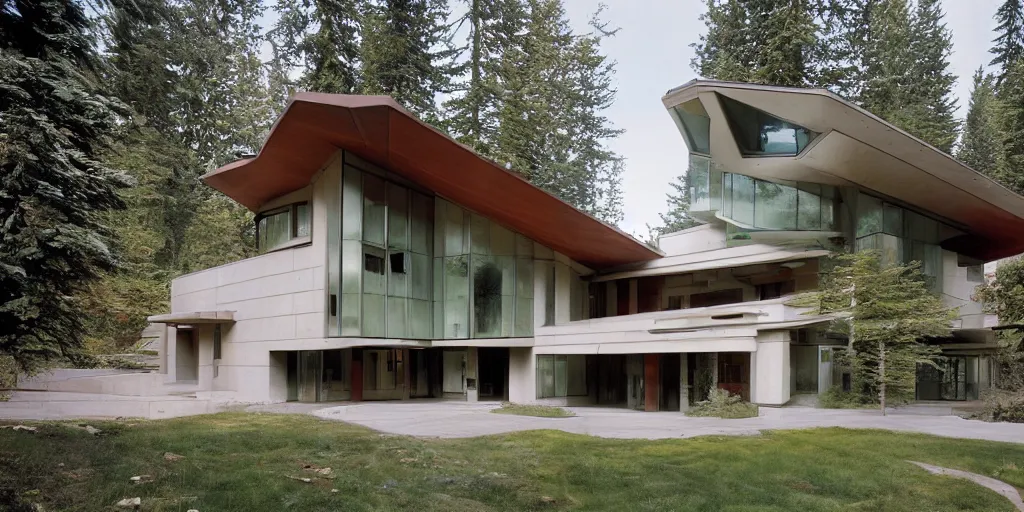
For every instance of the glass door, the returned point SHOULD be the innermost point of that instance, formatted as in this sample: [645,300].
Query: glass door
[309,371]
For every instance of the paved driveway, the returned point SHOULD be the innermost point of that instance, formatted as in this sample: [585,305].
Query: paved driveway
[461,419]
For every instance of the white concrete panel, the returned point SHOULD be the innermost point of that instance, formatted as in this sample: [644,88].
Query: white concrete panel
[309,325]
[308,302]
[307,257]
[264,307]
[263,329]
[319,277]
[702,238]
[194,282]
[278,262]
[202,300]
[292,282]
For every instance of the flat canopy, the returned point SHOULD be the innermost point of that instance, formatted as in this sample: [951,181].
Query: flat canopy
[858,148]
[376,128]
[194,317]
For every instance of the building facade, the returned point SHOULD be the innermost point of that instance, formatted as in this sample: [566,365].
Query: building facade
[397,264]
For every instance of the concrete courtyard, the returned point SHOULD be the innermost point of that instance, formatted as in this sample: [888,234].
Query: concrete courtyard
[461,419]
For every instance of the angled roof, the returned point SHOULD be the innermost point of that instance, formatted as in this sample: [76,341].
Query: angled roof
[376,128]
[858,148]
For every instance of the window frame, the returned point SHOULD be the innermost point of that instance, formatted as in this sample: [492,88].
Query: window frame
[293,226]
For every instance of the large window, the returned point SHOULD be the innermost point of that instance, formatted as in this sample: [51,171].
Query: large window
[759,133]
[760,204]
[694,123]
[279,226]
[561,375]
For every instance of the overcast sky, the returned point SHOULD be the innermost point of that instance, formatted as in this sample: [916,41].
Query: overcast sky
[653,54]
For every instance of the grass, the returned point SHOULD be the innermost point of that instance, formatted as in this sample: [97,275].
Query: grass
[243,462]
[543,411]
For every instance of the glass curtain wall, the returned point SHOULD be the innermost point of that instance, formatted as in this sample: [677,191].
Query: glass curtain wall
[900,236]
[385,255]
[768,205]
[486,276]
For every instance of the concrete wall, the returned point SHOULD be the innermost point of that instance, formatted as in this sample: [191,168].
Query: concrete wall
[702,238]
[957,291]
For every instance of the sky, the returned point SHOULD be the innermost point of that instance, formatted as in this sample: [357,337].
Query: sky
[652,49]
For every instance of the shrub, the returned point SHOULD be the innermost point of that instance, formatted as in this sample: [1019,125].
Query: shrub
[8,376]
[1004,406]
[836,398]
[720,404]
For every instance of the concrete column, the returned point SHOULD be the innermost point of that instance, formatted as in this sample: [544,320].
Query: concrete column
[170,348]
[684,394]
[162,345]
[770,373]
[713,360]
[522,375]
[652,382]
[472,395]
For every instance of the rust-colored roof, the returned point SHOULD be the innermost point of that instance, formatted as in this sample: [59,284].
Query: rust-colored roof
[376,128]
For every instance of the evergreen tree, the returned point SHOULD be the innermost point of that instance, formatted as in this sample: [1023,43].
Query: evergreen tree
[981,145]
[320,38]
[678,216]
[886,312]
[784,36]
[933,106]
[406,53]
[887,61]
[1011,102]
[53,189]
[494,32]
[1008,46]
[725,52]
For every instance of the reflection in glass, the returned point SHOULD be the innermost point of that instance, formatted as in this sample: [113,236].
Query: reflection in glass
[374,316]
[695,126]
[373,209]
[352,204]
[775,206]
[397,318]
[869,215]
[502,241]
[398,217]
[545,376]
[456,303]
[760,133]
[302,220]
[487,298]
[892,219]
[808,215]
[743,199]
[421,216]
[698,176]
[454,230]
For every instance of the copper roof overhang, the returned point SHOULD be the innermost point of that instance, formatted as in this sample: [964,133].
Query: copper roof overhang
[858,148]
[377,129]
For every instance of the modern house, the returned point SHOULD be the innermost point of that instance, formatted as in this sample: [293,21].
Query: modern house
[397,264]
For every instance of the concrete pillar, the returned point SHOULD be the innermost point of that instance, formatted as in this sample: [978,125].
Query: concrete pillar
[652,382]
[713,361]
[684,392]
[522,375]
[471,376]
[770,369]
[162,345]
[170,347]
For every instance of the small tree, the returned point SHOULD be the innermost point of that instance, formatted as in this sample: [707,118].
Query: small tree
[886,311]
[1004,297]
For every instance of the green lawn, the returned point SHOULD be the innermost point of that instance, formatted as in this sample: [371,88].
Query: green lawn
[543,411]
[243,461]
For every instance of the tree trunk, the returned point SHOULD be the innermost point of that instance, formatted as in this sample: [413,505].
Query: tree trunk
[881,375]
[474,67]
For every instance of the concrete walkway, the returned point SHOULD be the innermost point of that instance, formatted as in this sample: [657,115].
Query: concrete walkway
[460,419]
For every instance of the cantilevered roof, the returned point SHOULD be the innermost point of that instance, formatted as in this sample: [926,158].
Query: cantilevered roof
[377,129]
[857,148]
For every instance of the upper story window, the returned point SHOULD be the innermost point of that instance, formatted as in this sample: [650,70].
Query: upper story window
[759,133]
[693,121]
[279,226]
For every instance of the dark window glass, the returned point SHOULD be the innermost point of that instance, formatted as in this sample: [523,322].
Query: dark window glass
[216,341]
[397,262]
[373,264]
[760,133]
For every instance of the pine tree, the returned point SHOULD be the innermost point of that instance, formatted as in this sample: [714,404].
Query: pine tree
[406,53]
[725,52]
[886,312]
[494,33]
[53,188]
[1011,102]
[678,216]
[784,36]
[320,38]
[886,60]
[981,145]
[1008,46]
[933,106]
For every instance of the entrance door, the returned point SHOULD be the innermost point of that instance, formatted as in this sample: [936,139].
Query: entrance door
[310,368]
[186,355]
